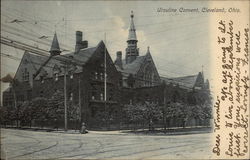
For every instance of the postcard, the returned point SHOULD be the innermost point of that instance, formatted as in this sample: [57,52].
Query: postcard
[125,79]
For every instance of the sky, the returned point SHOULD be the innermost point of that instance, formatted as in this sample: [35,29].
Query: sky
[179,42]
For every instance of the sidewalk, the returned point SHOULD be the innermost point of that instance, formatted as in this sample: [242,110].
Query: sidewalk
[157,131]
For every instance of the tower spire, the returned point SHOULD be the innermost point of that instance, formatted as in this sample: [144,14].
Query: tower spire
[55,48]
[132,33]
[131,51]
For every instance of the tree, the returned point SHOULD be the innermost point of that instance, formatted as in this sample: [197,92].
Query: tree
[133,113]
[152,112]
[16,113]
[56,107]
[148,112]
[179,110]
[27,113]
[74,113]
[4,115]
[40,109]
[184,112]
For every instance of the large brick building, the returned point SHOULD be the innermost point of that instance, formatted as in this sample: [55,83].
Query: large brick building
[82,75]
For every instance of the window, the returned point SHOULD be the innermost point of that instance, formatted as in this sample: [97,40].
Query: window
[56,76]
[42,79]
[96,75]
[25,75]
[101,96]
[93,96]
[41,93]
[71,96]
[101,76]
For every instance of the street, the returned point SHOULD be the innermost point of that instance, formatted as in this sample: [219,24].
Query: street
[22,144]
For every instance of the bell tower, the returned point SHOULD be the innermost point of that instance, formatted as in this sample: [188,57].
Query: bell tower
[131,51]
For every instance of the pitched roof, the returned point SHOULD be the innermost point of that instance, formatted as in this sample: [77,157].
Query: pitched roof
[55,48]
[186,81]
[133,68]
[82,56]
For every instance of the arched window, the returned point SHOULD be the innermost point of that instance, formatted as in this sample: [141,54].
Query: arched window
[148,76]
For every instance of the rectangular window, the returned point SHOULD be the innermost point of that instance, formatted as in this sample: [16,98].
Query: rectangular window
[41,94]
[25,75]
[96,75]
[56,76]
[93,95]
[42,79]
[101,76]
[101,96]
[71,96]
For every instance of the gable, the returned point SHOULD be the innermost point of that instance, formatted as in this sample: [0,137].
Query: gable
[149,66]
[28,65]
[98,58]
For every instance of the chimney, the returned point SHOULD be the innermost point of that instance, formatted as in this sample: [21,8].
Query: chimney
[118,60]
[80,44]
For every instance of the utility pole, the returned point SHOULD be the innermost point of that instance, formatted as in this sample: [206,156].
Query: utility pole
[105,81]
[164,108]
[65,98]
[80,105]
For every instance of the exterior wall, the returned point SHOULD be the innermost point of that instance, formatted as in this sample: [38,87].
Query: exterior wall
[147,74]
[96,107]
[87,90]
[8,98]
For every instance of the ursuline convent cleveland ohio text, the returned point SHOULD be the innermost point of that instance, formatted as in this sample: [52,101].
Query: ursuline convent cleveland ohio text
[131,79]
[202,10]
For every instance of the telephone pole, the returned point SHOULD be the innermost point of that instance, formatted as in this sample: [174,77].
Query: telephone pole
[105,82]
[80,104]
[164,108]
[65,99]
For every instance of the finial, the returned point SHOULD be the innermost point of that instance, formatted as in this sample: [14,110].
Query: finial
[132,14]
[148,48]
